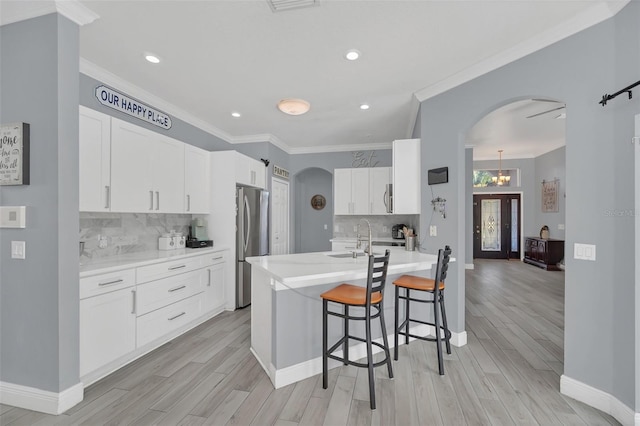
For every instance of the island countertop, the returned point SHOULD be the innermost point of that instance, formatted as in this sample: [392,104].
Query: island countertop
[307,269]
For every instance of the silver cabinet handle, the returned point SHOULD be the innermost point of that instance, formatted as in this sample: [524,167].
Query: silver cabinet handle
[133,302]
[188,202]
[111,282]
[107,196]
[177,267]
[209,278]
[158,200]
[151,198]
[171,290]
[217,258]
[177,316]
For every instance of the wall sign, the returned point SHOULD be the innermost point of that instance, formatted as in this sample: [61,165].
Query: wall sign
[280,172]
[550,196]
[120,102]
[360,159]
[14,154]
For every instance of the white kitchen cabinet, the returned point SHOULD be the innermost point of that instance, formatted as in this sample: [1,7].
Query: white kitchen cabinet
[95,160]
[406,176]
[379,182]
[107,328]
[344,245]
[360,191]
[214,298]
[160,293]
[158,323]
[249,171]
[147,170]
[196,180]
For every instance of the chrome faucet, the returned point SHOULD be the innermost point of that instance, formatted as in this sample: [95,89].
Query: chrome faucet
[368,249]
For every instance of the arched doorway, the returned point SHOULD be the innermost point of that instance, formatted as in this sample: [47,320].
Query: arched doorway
[313,207]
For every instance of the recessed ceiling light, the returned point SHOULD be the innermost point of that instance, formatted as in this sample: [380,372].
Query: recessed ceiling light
[235,114]
[352,55]
[152,58]
[364,106]
[294,106]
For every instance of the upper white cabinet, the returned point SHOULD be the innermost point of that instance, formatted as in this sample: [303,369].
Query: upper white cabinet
[406,176]
[147,170]
[95,160]
[196,180]
[361,191]
[249,171]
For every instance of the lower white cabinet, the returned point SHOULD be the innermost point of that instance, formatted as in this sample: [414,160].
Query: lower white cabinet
[107,328]
[343,245]
[156,324]
[126,313]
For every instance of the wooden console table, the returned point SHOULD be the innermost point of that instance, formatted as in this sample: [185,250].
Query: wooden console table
[543,253]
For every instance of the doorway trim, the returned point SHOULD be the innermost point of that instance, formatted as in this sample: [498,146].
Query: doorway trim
[521,219]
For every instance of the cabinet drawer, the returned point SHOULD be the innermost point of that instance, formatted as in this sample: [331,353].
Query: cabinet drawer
[104,283]
[157,294]
[163,321]
[213,259]
[167,269]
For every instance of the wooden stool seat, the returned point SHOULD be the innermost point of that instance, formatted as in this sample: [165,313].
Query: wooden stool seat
[368,299]
[349,294]
[417,283]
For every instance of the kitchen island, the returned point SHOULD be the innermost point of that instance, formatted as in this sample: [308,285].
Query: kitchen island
[286,309]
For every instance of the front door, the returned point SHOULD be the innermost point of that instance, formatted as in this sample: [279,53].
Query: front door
[496,226]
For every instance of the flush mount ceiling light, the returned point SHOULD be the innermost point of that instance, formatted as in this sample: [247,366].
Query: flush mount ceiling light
[235,114]
[293,106]
[152,58]
[364,106]
[352,55]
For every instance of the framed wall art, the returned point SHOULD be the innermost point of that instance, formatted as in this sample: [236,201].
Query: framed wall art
[550,196]
[14,154]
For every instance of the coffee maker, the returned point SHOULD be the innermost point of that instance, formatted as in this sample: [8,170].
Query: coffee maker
[198,235]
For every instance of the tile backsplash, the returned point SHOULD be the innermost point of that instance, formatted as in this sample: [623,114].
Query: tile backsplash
[127,232]
[343,226]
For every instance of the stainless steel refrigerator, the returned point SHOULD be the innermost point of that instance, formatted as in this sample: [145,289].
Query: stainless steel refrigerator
[252,236]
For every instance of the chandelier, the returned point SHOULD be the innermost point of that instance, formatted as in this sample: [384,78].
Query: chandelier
[500,179]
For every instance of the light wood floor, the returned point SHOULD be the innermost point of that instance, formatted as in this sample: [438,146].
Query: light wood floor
[509,373]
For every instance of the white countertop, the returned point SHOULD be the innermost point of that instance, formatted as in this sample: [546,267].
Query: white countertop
[132,260]
[306,269]
[374,239]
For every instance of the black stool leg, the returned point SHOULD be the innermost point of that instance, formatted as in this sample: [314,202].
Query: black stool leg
[406,327]
[345,345]
[436,323]
[324,344]
[447,333]
[396,309]
[384,339]
[372,384]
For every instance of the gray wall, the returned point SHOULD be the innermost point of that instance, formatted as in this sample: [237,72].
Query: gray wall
[310,235]
[599,311]
[39,295]
[548,167]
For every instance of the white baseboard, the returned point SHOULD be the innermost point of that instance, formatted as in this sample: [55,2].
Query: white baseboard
[41,400]
[285,376]
[469,266]
[600,400]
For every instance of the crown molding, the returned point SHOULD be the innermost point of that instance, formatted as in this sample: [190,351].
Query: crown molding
[16,11]
[601,11]
[341,148]
[263,137]
[106,77]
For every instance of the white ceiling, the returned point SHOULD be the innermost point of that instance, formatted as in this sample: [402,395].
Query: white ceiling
[220,56]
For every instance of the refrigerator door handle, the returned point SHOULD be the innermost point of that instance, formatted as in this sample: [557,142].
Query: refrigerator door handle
[248,217]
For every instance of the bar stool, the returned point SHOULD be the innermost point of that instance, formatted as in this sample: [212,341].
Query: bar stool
[369,298]
[426,285]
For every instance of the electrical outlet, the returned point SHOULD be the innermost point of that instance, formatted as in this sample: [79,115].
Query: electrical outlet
[433,231]
[561,226]
[385,229]
[355,228]
[18,250]
[325,227]
[102,241]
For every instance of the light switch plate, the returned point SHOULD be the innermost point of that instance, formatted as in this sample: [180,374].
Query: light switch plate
[584,251]
[18,250]
[13,217]
[433,231]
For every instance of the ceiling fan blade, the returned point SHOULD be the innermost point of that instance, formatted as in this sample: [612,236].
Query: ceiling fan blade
[546,100]
[546,112]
